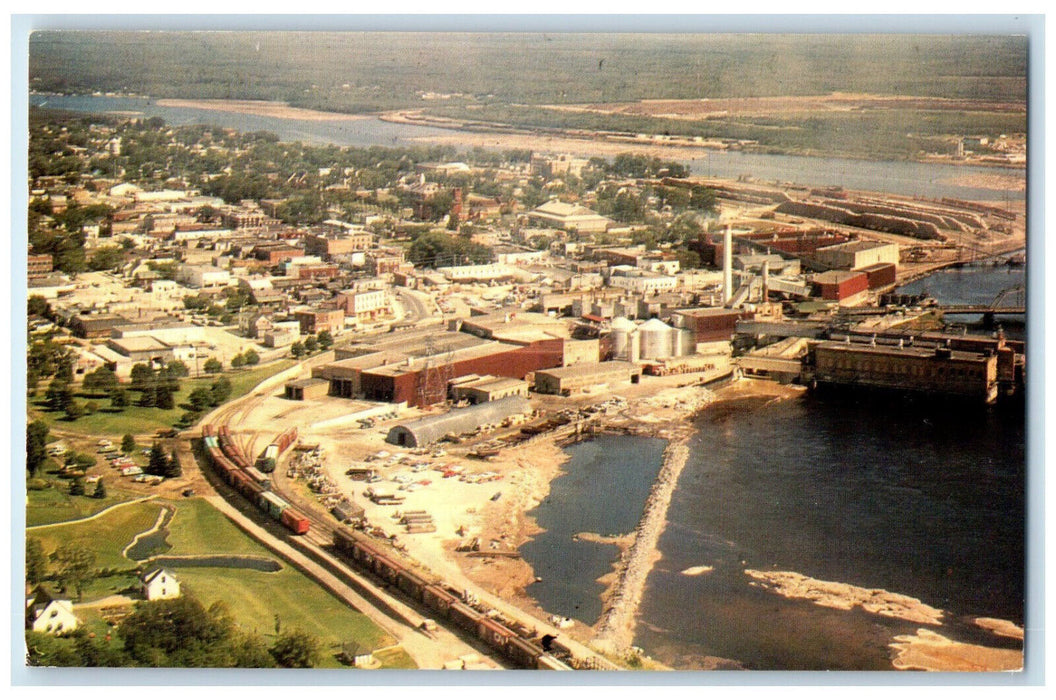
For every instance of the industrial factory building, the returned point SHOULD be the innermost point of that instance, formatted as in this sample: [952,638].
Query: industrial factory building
[566,380]
[416,368]
[930,370]
[843,286]
[854,255]
[485,416]
[476,389]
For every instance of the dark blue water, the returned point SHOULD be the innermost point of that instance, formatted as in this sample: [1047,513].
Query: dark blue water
[603,491]
[898,177]
[967,285]
[976,285]
[917,499]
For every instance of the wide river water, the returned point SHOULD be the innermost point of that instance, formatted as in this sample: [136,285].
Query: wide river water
[933,180]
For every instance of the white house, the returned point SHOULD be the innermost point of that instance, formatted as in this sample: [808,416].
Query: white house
[159,584]
[45,613]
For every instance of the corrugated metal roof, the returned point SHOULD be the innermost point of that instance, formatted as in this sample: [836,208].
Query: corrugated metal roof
[428,430]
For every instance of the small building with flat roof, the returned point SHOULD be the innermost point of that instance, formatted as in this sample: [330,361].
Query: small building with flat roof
[307,389]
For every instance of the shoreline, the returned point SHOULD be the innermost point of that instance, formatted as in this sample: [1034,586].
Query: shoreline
[591,143]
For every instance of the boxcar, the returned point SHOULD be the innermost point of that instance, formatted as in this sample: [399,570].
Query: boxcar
[271,504]
[258,477]
[436,598]
[493,633]
[294,521]
[464,616]
[411,584]
[386,569]
[524,653]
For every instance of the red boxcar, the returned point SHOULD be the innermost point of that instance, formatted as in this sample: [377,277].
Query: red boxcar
[294,521]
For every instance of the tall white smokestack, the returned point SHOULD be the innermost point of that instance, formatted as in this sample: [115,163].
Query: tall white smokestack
[727,265]
[766,281]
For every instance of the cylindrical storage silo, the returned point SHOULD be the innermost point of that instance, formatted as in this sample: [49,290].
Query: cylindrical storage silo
[656,339]
[622,328]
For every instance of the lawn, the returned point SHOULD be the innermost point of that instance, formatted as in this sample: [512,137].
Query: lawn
[255,597]
[141,421]
[198,528]
[56,505]
[258,599]
[106,535]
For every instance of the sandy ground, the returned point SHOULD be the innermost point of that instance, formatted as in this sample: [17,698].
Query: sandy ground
[991,182]
[831,594]
[278,110]
[930,651]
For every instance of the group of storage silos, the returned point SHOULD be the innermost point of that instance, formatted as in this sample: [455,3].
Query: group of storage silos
[652,340]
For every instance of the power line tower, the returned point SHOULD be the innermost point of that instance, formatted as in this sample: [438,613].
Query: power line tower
[437,372]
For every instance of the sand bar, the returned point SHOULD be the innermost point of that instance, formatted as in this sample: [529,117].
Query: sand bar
[261,108]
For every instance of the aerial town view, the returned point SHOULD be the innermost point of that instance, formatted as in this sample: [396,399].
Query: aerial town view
[555,351]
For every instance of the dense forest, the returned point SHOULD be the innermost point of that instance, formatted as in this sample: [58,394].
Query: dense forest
[355,71]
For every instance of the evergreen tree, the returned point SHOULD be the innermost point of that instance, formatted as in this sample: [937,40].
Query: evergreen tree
[158,462]
[74,410]
[59,394]
[296,649]
[212,366]
[251,357]
[100,490]
[118,398]
[325,340]
[220,390]
[36,445]
[173,469]
[36,561]
[128,443]
[311,344]
[200,399]
[75,566]
[77,487]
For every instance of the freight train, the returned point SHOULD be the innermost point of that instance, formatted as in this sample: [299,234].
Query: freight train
[444,603]
[230,464]
[268,459]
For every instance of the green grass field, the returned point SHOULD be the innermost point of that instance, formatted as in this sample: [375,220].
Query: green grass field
[198,528]
[138,420]
[56,505]
[256,598]
[106,535]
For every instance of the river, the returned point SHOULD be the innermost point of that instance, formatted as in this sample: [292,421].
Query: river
[934,180]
